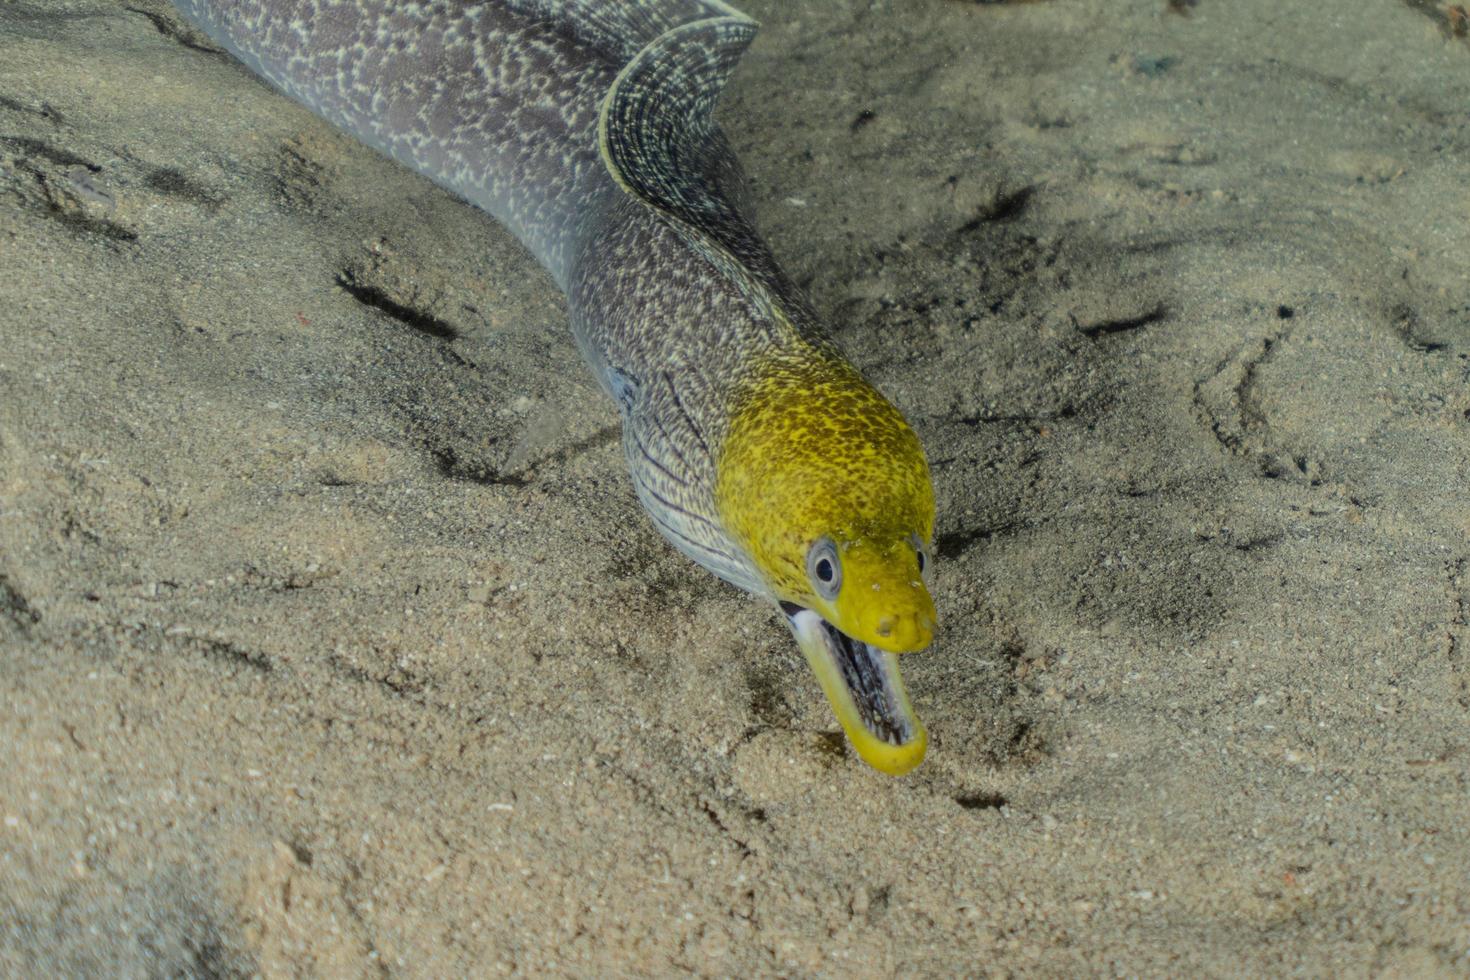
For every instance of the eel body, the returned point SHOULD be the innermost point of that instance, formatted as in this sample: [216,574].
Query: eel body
[585,127]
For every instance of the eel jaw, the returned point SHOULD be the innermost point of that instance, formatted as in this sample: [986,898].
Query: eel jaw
[865,690]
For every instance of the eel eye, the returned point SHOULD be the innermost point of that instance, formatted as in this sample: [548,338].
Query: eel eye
[920,553]
[824,568]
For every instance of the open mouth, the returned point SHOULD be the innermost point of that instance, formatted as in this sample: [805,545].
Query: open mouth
[863,685]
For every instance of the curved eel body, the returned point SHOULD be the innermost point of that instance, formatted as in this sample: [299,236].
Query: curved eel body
[585,127]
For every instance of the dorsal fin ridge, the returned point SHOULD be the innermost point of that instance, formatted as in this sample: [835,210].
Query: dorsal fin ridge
[622,28]
[660,142]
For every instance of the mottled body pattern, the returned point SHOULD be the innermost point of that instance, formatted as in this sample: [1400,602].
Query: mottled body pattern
[526,149]
[585,127]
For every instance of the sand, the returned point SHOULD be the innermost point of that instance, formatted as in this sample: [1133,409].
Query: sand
[335,643]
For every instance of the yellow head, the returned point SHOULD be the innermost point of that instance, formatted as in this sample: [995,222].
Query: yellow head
[825,486]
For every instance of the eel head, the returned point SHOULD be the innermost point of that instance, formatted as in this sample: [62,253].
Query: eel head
[825,486]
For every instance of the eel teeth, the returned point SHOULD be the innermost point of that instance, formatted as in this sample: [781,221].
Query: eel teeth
[865,689]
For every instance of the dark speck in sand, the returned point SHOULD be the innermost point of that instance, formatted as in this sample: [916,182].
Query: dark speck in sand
[1150,67]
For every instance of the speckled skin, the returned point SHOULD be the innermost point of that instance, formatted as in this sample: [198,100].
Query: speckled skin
[585,126]
[500,102]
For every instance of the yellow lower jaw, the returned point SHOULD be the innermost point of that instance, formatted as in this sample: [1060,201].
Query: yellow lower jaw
[886,757]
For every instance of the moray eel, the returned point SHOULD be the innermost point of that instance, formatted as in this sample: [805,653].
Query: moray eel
[586,128]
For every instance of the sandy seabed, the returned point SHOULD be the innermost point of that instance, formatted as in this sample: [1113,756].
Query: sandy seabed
[335,644]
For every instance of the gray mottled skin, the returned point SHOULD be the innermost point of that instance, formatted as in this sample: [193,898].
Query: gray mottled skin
[673,296]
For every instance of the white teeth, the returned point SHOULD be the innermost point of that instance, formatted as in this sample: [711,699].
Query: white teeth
[867,675]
